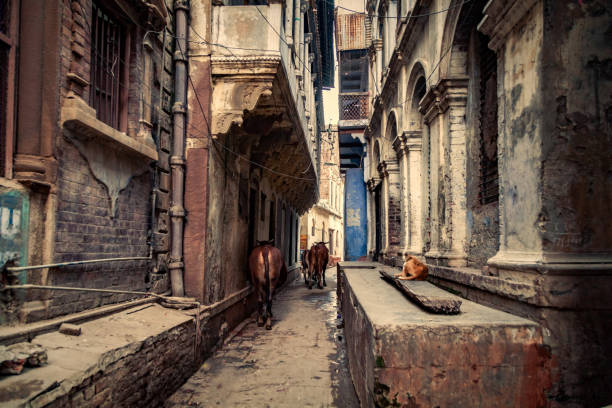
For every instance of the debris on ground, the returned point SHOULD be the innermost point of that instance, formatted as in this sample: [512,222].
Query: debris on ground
[14,357]
[70,329]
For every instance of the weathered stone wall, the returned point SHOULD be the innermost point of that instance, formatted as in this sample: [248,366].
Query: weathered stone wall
[542,251]
[576,128]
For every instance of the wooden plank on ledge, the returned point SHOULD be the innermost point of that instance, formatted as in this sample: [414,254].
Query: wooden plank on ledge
[426,295]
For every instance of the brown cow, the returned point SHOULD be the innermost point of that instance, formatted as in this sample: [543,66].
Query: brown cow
[268,271]
[317,263]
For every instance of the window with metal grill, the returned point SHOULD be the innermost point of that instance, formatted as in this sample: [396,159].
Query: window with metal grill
[489,178]
[4,60]
[8,45]
[109,56]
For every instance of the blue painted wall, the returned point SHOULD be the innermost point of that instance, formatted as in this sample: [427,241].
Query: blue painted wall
[355,216]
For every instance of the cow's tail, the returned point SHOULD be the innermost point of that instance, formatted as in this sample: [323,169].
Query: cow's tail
[264,253]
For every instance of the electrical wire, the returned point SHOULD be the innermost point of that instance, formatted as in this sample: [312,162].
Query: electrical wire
[399,17]
[223,146]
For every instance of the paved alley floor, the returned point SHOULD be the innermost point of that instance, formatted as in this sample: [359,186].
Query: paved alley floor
[301,362]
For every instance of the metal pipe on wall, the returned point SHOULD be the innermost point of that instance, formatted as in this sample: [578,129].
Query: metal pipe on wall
[177,160]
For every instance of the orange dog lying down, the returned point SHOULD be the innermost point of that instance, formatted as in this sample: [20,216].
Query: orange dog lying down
[413,270]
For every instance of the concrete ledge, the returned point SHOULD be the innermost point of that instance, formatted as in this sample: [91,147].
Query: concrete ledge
[400,354]
[115,358]
[77,115]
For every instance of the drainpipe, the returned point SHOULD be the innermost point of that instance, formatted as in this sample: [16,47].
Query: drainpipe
[177,160]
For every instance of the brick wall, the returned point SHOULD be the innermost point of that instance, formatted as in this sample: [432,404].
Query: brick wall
[86,229]
[395,214]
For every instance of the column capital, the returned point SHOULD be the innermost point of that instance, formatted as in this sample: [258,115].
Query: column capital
[500,16]
[413,139]
[372,183]
[448,92]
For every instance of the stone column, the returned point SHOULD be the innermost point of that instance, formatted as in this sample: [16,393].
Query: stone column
[289,22]
[391,26]
[297,21]
[413,145]
[383,208]
[453,99]
[444,109]
[399,146]
[378,46]
[430,108]
[371,185]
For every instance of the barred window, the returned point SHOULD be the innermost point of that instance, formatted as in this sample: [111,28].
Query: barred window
[109,56]
[489,185]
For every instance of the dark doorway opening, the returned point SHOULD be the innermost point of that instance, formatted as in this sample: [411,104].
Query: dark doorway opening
[252,218]
[272,230]
[378,206]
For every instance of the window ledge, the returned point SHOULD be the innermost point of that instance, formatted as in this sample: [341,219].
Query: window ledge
[77,115]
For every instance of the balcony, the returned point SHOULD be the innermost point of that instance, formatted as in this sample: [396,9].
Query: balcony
[353,109]
[261,90]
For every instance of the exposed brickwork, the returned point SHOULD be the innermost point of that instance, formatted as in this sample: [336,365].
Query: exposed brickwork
[142,380]
[85,230]
[85,227]
[395,217]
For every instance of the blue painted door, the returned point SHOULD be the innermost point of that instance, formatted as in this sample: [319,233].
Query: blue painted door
[355,216]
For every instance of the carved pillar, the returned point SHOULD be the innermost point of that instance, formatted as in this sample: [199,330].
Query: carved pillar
[453,99]
[430,108]
[399,145]
[391,25]
[413,145]
[378,46]
[289,22]
[444,110]
[297,20]
[371,184]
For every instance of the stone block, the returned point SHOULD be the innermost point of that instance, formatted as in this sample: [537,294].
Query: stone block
[70,329]
[401,354]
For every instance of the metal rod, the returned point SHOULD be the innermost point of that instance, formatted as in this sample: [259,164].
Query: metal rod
[54,265]
[68,288]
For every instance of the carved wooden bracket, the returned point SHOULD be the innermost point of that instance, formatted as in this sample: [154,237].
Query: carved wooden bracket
[238,84]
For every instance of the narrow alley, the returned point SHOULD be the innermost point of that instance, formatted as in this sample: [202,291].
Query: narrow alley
[300,362]
[166,163]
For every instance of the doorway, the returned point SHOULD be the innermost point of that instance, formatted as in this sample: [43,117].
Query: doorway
[378,208]
[252,218]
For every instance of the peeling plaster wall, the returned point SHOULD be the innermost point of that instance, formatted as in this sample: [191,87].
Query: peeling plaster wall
[577,129]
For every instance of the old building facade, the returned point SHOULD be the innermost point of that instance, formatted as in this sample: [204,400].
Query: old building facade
[256,151]
[352,40]
[324,222]
[147,146]
[487,143]
[86,130]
